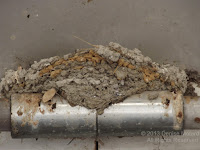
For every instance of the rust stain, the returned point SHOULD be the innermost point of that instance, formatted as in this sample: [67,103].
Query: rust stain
[166,98]
[167,102]
[197,120]
[166,115]
[35,123]
[95,145]
[178,108]
[31,105]
[180,115]
[19,113]
[51,106]
[41,111]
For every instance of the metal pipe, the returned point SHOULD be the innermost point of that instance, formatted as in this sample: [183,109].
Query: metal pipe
[192,112]
[33,118]
[138,115]
[4,115]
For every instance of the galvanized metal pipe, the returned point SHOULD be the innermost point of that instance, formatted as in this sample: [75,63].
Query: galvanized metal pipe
[192,112]
[54,119]
[138,115]
[34,119]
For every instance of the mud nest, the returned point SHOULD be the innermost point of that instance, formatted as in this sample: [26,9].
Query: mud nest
[94,78]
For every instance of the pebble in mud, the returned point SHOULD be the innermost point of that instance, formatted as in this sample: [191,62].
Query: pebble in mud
[95,78]
[121,73]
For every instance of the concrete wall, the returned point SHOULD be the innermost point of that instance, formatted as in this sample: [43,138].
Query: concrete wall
[33,29]
[164,30]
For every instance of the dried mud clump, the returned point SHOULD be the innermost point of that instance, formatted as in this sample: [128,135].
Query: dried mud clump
[193,78]
[95,78]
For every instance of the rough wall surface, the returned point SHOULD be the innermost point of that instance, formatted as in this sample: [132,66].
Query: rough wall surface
[32,30]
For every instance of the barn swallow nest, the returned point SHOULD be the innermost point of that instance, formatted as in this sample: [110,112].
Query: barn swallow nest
[94,78]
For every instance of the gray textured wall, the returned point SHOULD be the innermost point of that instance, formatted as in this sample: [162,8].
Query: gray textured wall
[164,30]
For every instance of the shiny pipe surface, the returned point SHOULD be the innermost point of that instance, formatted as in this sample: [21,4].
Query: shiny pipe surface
[138,115]
[56,119]
[192,112]
[32,118]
